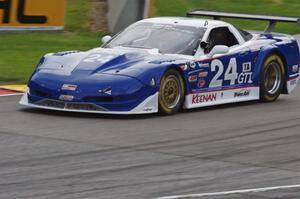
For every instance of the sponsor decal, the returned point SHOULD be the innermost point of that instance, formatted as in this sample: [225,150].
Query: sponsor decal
[247,67]
[193,64]
[148,109]
[203,74]
[244,78]
[204,65]
[201,98]
[293,82]
[201,83]
[69,87]
[242,93]
[295,68]
[193,78]
[66,97]
[107,91]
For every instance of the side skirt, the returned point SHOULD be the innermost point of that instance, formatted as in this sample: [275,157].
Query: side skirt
[217,97]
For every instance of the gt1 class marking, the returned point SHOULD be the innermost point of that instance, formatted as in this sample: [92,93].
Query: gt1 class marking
[241,191]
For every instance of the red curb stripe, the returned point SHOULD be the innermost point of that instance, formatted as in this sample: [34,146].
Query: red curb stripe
[8,92]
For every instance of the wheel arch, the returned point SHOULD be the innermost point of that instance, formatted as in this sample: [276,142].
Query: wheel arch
[277,52]
[181,72]
[171,69]
[274,50]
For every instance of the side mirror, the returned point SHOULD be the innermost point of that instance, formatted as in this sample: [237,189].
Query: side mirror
[218,49]
[106,39]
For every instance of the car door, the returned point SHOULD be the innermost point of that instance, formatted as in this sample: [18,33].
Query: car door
[223,77]
[232,69]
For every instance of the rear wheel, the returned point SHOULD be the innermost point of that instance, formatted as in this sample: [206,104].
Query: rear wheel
[171,92]
[272,79]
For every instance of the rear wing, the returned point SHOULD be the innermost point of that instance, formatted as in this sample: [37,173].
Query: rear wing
[272,19]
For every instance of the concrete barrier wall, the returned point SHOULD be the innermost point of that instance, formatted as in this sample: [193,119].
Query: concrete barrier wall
[122,13]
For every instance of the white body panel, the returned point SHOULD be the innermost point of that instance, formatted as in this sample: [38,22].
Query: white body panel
[211,98]
[292,82]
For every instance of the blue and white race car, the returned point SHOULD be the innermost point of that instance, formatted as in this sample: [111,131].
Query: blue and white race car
[168,63]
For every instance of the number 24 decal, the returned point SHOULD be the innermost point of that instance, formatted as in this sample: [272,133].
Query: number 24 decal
[231,73]
[98,58]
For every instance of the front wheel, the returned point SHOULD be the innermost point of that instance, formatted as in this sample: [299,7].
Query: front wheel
[272,79]
[171,92]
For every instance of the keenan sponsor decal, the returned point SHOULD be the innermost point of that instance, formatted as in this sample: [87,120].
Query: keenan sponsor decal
[201,98]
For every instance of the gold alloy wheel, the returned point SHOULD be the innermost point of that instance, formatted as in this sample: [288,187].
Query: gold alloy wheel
[272,78]
[171,91]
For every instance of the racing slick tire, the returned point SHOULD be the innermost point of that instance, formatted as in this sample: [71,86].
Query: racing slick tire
[272,78]
[171,92]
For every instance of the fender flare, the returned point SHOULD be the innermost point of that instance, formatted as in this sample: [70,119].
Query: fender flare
[264,53]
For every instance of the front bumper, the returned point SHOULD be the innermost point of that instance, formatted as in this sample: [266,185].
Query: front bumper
[149,105]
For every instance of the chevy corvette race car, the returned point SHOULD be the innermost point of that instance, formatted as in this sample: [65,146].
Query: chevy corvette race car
[168,63]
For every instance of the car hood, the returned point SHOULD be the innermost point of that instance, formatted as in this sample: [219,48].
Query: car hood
[118,61]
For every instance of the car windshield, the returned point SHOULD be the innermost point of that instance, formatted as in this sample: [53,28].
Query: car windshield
[169,39]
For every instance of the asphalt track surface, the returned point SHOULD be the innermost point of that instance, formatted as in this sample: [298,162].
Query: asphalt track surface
[55,155]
